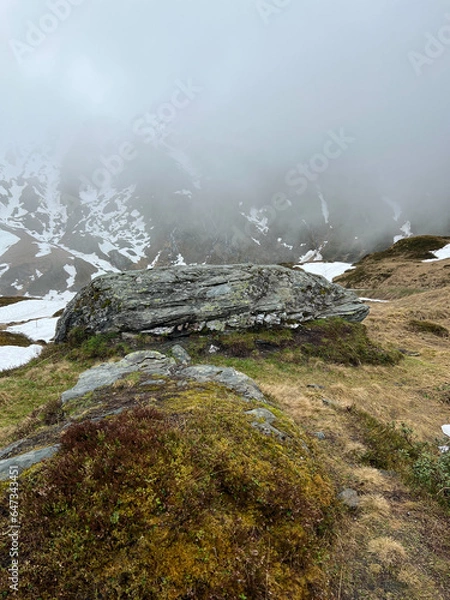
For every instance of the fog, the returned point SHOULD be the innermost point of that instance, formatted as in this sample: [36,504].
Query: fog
[272,103]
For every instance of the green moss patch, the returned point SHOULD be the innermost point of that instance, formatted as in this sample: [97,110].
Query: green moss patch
[101,346]
[180,500]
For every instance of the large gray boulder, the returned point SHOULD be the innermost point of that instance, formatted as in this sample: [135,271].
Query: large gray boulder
[206,297]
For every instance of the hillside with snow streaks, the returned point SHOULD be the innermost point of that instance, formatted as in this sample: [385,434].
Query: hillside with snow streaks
[58,231]
[52,240]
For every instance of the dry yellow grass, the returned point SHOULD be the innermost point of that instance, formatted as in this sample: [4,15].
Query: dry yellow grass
[391,546]
[387,551]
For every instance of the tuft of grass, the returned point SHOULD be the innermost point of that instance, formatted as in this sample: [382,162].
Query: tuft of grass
[428,327]
[100,346]
[186,500]
[389,552]
[14,339]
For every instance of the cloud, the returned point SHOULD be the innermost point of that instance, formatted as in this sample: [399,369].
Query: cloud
[272,87]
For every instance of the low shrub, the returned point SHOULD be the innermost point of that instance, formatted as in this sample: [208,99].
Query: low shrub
[337,341]
[432,472]
[332,340]
[393,447]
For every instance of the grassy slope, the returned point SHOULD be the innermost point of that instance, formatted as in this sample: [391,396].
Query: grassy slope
[398,271]
[396,544]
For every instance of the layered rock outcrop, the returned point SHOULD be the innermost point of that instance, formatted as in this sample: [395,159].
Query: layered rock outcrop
[177,300]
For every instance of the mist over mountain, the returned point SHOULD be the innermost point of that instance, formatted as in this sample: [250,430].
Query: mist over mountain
[137,134]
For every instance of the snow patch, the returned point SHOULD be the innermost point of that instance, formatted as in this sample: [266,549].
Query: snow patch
[37,329]
[373,300]
[328,270]
[72,272]
[155,260]
[325,209]
[7,240]
[441,254]
[257,218]
[395,207]
[30,309]
[406,232]
[310,255]
[106,247]
[187,193]
[55,296]
[280,241]
[44,249]
[15,356]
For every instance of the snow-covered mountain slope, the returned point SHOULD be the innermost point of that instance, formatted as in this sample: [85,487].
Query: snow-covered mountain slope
[50,240]
[58,230]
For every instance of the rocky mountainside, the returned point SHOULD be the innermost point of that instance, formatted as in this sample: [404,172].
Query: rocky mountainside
[59,227]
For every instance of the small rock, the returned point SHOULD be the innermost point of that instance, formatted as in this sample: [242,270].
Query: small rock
[268,429]
[213,349]
[129,337]
[408,352]
[237,381]
[180,355]
[24,461]
[328,402]
[262,413]
[149,362]
[349,497]
[153,382]
[264,423]
[10,448]
[320,435]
